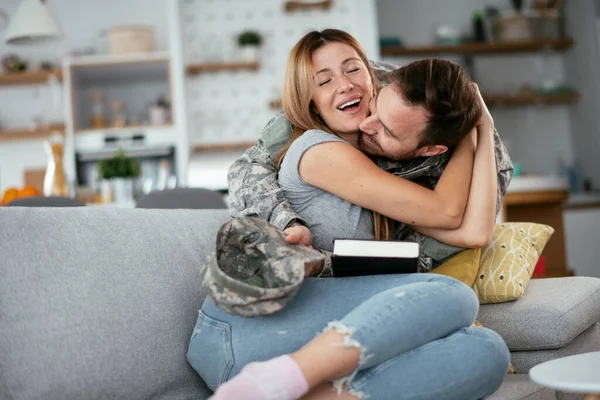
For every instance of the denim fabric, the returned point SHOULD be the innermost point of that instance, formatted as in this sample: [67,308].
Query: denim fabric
[412,330]
[219,352]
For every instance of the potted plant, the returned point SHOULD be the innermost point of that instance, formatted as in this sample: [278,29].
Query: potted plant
[249,42]
[118,174]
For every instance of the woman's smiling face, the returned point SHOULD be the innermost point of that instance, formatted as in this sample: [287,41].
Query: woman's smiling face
[342,88]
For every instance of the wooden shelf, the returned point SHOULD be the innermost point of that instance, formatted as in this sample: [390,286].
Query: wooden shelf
[28,77]
[480,48]
[200,148]
[275,104]
[194,69]
[26,134]
[291,6]
[509,100]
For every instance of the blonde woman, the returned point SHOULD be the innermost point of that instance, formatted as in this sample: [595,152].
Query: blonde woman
[387,336]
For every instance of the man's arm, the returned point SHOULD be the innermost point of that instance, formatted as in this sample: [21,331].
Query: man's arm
[254,190]
[252,179]
[505,169]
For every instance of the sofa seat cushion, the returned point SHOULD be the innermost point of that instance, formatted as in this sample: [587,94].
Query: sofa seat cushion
[587,342]
[550,314]
[519,386]
[100,303]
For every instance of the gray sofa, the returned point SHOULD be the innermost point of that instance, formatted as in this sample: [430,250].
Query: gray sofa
[99,303]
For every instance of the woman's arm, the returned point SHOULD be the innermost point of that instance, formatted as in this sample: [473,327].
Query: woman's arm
[478,222]
[341,169]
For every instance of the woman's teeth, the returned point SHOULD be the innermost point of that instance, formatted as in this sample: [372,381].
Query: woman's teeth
[349,104]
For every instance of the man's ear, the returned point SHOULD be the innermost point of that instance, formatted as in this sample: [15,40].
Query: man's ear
[432,150]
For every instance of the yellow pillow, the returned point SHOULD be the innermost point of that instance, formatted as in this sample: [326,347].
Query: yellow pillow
[463,266]
[508,262]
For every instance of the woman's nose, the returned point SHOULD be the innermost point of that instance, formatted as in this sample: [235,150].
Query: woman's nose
[345,85]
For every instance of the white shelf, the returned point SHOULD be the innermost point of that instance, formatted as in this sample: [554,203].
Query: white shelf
[126,129]
[135,150]
[121,72]
[153,136]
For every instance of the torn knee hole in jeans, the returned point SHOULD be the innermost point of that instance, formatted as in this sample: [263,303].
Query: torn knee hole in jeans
[348,342]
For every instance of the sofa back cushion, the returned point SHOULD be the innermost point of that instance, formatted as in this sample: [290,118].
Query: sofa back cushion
[100,303]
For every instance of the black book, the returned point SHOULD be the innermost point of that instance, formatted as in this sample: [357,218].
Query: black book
[373,257]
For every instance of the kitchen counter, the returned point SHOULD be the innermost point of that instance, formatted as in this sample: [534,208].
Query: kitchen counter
[583,200]
[537,188]
[538,183]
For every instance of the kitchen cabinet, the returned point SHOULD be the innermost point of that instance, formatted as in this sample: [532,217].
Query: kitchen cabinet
[542,207]
[541,199]
[582,232]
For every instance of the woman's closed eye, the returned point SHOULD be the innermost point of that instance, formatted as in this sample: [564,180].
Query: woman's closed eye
[350,71]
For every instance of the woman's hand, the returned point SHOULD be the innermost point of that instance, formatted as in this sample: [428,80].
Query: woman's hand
[486,118]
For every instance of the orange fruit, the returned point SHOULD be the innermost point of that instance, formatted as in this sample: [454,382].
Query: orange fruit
[28,191]
[10,194]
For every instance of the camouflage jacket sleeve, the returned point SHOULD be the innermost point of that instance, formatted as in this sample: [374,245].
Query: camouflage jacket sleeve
[505,170]
[252,179]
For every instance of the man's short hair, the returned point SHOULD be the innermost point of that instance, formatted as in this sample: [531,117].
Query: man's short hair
[448,95]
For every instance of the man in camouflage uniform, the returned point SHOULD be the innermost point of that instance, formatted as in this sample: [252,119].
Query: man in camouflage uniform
[254,190]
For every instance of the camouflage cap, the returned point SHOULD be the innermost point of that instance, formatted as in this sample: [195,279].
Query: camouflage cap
[253,270]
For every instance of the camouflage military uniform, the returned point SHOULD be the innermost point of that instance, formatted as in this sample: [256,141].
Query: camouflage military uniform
[254,190]
[253,270]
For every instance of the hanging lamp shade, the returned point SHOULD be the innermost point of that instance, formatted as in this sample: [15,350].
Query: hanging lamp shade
[32,23]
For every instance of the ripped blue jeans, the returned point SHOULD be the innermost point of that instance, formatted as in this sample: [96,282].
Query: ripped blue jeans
[413,331]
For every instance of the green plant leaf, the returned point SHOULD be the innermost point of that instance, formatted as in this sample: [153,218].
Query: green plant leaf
[247,38]
[118,166]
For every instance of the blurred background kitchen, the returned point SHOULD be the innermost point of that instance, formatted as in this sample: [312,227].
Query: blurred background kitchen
[107,101]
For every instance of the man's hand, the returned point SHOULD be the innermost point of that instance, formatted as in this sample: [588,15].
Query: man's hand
[298,234]
[314,269]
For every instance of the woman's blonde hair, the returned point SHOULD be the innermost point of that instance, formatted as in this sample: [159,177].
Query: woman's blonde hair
[298,91]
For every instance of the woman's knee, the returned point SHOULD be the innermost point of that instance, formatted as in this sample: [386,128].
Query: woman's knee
[462,295]
[494,352]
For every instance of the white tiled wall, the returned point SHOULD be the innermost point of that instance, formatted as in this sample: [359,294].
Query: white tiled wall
[233,106]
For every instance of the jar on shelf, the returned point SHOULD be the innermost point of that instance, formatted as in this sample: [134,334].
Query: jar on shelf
[159,112]
[98,118]
[55,180]
[118,117]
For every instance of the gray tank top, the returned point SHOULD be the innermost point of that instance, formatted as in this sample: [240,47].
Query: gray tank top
[329,216]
